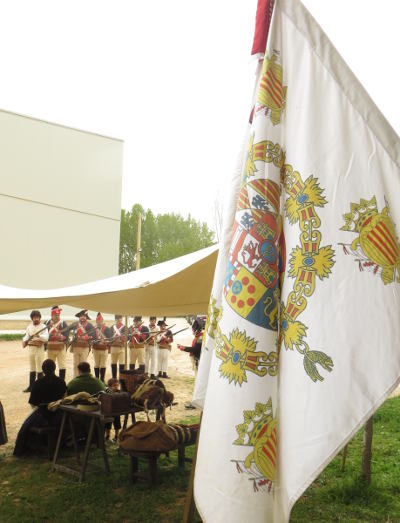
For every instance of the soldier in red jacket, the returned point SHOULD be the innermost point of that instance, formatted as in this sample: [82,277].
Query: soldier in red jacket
[83,335]
[118,345]
[195,349]
[56,346]
[101,347]
[138,334]
[165,340]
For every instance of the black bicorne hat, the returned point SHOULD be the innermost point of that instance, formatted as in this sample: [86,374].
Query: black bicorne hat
[83,312]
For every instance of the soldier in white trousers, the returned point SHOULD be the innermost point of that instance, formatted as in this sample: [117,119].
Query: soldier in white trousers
[117,350]
[56,346]
[101,347]
[165,340]
[35,337]
[138,334]
[83,335]
[150,362]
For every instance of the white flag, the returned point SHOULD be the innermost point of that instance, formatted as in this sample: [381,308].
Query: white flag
[309,274]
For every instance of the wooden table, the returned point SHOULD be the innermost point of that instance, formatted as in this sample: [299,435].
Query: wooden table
[97,421]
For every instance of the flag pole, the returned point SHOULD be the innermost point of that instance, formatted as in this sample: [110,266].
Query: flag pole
[263,21]
[188,509]
[138,250]
[367,450]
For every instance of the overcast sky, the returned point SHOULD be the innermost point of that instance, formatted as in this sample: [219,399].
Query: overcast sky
[172,79]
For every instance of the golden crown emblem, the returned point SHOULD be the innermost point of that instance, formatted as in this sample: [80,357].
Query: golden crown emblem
[359,213]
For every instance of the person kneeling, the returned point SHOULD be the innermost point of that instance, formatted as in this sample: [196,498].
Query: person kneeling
[44,390]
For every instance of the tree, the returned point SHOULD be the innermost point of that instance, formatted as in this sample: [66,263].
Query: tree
[164,237]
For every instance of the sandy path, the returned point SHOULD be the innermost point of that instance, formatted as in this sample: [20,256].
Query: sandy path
[14,378]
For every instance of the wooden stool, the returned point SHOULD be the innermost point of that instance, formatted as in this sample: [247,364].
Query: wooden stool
[151,474]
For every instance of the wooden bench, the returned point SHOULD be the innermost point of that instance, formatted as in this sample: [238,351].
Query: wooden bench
[151,474]
[50,432]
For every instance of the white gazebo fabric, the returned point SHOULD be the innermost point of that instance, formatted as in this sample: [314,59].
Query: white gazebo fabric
[176,287]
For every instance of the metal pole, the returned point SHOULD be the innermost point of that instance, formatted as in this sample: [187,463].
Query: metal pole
[139,233]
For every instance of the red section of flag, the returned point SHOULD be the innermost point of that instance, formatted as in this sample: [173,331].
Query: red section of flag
[263,20]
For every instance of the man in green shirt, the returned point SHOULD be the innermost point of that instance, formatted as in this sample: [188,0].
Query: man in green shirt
[85,382]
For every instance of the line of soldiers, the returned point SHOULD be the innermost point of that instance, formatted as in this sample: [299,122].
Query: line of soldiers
[149,347]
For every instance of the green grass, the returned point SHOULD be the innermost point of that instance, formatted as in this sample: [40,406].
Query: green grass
[345,496]
[30,492]
[11,337]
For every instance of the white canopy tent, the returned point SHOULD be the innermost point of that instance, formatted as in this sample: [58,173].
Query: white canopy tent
[173,288]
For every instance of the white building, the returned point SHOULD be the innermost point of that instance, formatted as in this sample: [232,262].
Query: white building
[60,204]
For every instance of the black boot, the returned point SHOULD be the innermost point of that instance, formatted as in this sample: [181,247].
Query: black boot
[152,376]
[97,372]
[114,370]
[142,368]
[40,375]
[121,367]
[102,374]
[62,374]
[160,374]
[164,375]
[131,366]
[32,378]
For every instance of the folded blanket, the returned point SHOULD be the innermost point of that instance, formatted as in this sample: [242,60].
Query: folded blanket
[79,399]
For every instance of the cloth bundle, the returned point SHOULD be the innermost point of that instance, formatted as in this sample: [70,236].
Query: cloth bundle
[131,379]
[147,436]
[150,394]
[83,401]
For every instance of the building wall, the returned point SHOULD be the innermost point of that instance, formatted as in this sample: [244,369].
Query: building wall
[60,204]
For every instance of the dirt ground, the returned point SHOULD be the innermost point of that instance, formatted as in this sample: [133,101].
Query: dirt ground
[14,372]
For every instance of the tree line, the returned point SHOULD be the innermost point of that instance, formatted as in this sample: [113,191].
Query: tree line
[163,237]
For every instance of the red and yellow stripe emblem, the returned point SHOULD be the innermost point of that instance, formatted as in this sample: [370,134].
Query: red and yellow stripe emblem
[378,241]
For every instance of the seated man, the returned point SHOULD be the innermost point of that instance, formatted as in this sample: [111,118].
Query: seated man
[45,390]
[85,382]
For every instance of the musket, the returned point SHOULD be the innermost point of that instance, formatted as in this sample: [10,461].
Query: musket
[160,332]
[164,332]
[74,338]
[36,333]
[65,329]
[144,341]
[174,333]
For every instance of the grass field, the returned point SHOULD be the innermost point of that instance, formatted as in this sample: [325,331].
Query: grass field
[30,492]
[11,337]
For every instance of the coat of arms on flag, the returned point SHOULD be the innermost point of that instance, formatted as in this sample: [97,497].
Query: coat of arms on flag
[258,431]
[376,247]
[272,93]
[257,257]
